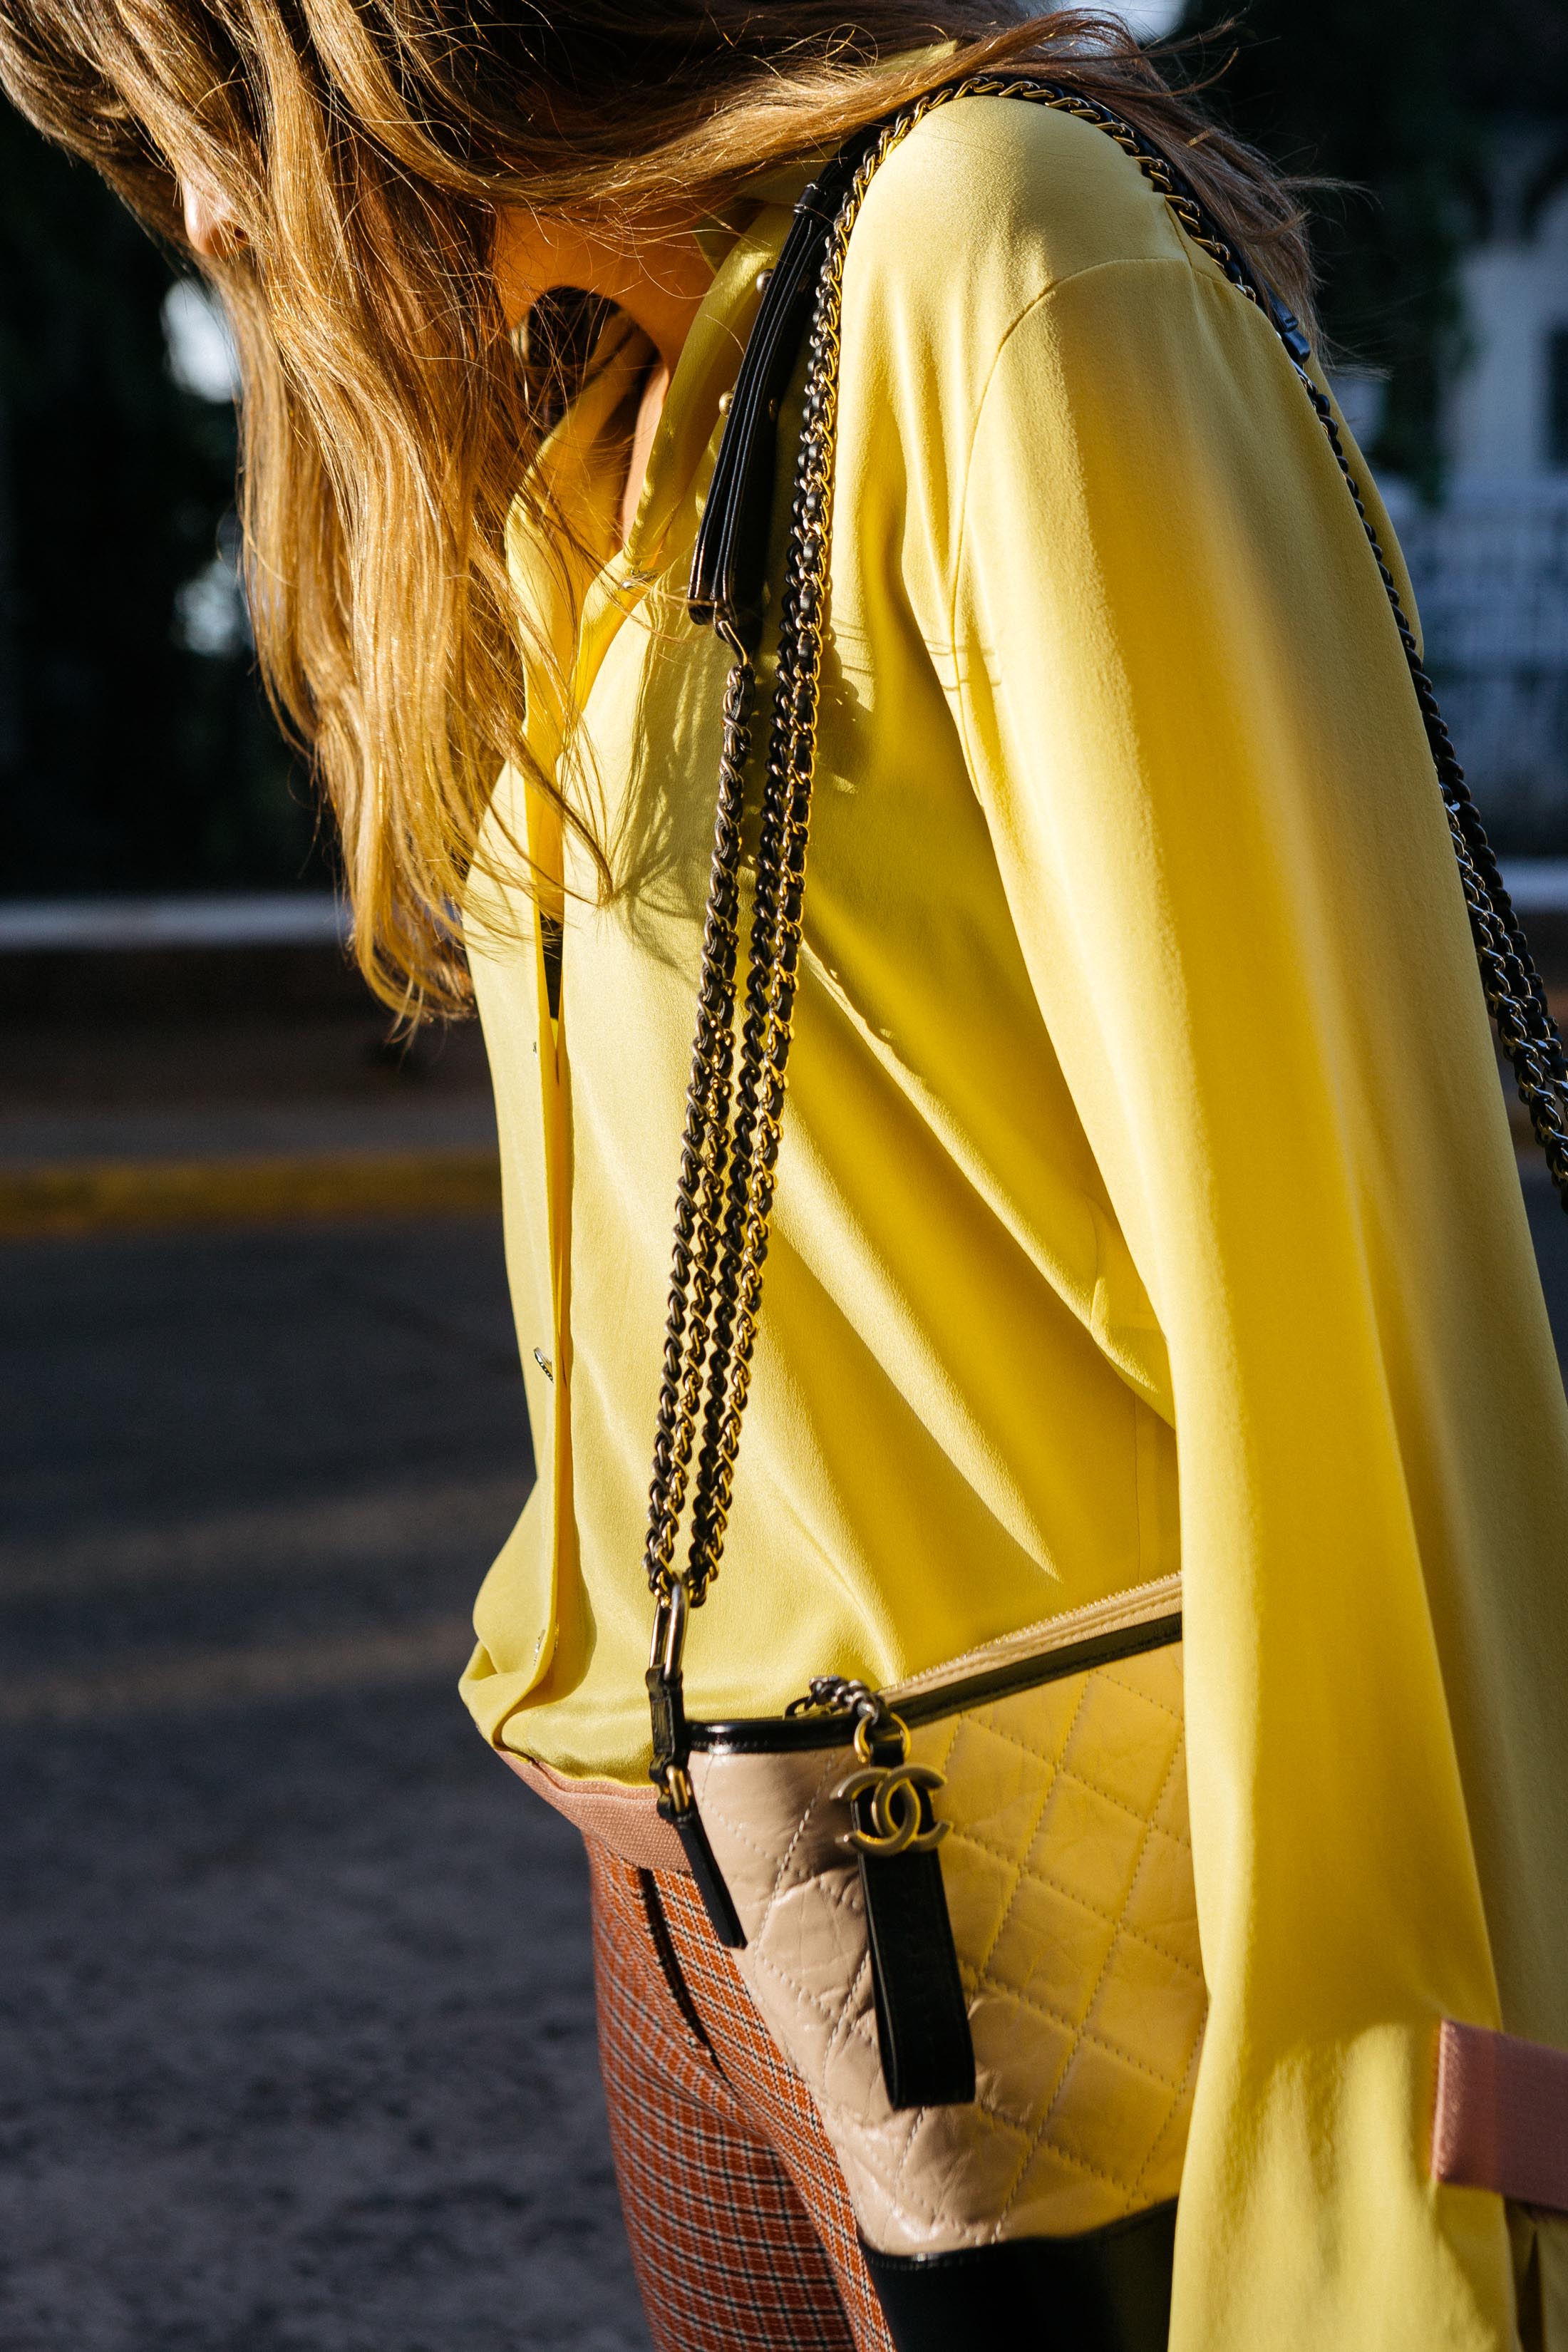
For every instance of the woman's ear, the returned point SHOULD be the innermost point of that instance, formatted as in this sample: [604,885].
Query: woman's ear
[211,227]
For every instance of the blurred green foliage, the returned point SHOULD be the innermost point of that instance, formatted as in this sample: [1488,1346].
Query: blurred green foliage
[1402,98]
[127,761]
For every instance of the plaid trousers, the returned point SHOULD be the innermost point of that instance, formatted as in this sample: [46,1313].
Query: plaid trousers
[741,2228]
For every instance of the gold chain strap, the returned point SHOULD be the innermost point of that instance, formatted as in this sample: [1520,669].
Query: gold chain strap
[716,1286]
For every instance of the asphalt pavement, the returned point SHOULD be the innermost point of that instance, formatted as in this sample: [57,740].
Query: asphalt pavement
[296,2031]
[296,2020]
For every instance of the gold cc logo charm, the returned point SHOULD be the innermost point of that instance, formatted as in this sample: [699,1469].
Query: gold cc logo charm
[896,1809]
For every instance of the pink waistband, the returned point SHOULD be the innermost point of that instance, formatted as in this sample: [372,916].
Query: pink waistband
[1501,2121]
[625,1820]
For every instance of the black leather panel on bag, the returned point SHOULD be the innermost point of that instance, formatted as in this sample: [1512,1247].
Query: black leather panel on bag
[1107,2291]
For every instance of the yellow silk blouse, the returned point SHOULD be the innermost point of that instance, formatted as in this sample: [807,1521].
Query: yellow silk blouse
[1146,1197]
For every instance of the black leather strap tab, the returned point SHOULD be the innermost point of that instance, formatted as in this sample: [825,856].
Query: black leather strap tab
[723,1916]
[923,2018]
[671,1740]
[729,569]
[1106,2291]
[671,1746]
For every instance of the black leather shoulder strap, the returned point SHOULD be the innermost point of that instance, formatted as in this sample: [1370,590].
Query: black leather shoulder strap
[729,571]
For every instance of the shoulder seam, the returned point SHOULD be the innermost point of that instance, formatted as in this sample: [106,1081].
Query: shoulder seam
[1183,261]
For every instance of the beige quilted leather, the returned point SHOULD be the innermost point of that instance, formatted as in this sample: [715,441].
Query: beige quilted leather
[1068,1878]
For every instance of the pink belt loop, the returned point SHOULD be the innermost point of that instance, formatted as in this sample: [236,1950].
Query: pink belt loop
[1501,2120]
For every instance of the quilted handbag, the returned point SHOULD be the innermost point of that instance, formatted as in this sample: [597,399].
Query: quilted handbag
[964,1906]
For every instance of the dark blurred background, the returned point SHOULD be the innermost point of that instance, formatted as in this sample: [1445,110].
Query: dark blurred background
[296,2048]
[136,753]
[1448,126]
[1445,266]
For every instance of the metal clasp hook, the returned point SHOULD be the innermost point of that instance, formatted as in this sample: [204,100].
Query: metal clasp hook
[670,1621]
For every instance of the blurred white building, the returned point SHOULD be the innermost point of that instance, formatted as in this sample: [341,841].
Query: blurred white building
[1508,423]
[1491,566]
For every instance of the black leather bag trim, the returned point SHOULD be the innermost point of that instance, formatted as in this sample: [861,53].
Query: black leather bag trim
[1031,1674]
[792,1735]
[1107,2290]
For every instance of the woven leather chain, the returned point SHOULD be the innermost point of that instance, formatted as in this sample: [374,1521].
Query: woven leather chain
[734,1104]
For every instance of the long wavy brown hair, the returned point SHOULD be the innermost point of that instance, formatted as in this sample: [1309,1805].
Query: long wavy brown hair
[362,149]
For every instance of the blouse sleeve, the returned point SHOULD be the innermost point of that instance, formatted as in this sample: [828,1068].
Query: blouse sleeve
[1187,715]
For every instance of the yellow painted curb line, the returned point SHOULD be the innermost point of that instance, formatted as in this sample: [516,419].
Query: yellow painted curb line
[110,1195]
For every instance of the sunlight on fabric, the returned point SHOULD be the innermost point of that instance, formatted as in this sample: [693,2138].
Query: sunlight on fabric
[1150,19]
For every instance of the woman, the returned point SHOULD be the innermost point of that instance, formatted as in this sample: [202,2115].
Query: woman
[1144,1199]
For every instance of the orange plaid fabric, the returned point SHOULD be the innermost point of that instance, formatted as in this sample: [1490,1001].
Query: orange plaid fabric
[741,2228]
